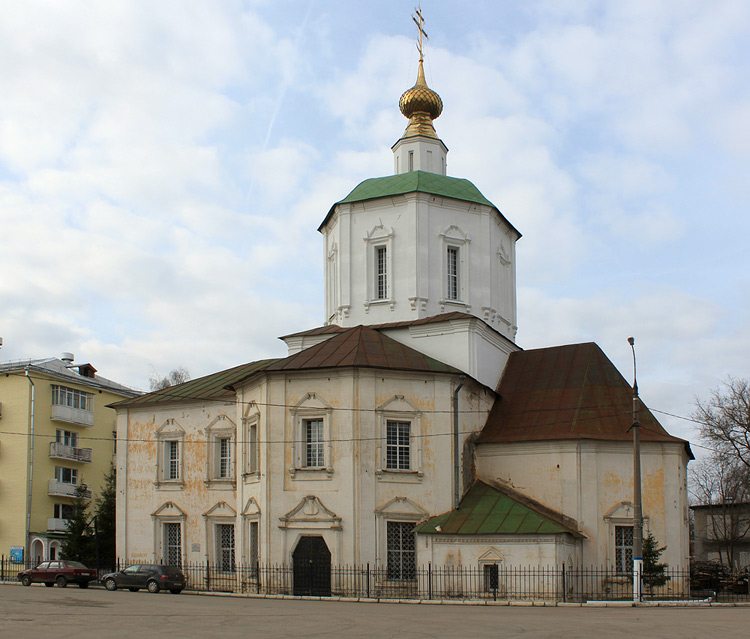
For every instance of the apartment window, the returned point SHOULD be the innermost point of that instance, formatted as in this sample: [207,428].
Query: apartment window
[624,549]
[67,438]
[225,547]
[63,511]
[381,273]
[72,398]
[397,453]
[402,552]
[314,453]
[66,475]
[172,461]
[452,274]
[173,544]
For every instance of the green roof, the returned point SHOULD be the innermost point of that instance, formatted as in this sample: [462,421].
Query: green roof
[210,387]
[420,181]
[485,510]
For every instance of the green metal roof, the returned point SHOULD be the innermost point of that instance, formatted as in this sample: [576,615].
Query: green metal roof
[420,181]
[484,510]
[210,387]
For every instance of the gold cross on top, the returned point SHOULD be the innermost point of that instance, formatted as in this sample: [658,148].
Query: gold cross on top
[419,21]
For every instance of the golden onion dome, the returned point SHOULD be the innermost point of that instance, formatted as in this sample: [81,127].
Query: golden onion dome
[420,98]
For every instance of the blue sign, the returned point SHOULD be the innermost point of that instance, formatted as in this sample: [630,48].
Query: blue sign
[16,554]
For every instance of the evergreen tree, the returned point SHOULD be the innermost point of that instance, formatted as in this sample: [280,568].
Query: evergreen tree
[654,573]
[105,519]
[78,543]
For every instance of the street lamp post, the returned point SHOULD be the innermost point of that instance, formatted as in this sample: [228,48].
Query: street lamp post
[637,505]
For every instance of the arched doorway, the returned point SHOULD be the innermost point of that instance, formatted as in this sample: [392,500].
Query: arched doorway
[312,567]
[37,552]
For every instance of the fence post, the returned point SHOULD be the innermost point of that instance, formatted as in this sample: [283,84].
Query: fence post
[368,579]
[565,589]
[208,575]
[429,580]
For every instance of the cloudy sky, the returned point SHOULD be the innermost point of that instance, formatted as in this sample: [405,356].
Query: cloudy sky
[164,167]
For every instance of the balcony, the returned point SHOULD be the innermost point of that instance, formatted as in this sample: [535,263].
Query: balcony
[57,525]
[61,489]
[61,451]
[71,415]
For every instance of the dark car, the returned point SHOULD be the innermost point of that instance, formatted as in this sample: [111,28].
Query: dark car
[153,577]
[58,572]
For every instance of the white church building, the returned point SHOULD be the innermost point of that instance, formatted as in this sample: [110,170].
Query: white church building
[409,429]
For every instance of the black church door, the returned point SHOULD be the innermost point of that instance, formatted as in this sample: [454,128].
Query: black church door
[312,567]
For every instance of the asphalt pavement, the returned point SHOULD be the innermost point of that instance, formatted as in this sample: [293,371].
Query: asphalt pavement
[63,613]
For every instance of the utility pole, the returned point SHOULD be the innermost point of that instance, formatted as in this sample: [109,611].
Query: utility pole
[637,505]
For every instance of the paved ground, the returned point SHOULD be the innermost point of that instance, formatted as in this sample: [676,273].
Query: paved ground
[72,612]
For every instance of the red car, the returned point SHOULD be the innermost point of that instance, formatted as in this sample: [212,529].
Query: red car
[58,572]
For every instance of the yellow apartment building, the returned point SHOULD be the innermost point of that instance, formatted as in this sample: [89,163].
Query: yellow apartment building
[56,433]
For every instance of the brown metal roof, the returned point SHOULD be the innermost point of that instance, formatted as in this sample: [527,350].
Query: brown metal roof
[210,387]
[566,392]
[361,346]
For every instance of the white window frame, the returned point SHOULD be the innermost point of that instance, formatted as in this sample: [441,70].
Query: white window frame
[400,409]
[72,398]
[381,272]
[379,237]
[311,408]
[622,565]
[60,472]
[395,446]
[454,239]
[221,429]
[170,436]
[453,281]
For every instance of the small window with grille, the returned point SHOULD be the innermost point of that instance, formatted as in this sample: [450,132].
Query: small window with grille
[402,551]
[624,549]
[173,544]
[397,453]
[253,545]
[225,547]
[491,577]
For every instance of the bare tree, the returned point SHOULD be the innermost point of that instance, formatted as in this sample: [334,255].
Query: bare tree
[721,490]
[725,419]
[176,376]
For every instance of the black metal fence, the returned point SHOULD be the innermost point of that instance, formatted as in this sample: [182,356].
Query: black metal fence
[488,582]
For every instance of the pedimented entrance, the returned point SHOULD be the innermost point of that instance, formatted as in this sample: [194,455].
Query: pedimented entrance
[312,567]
